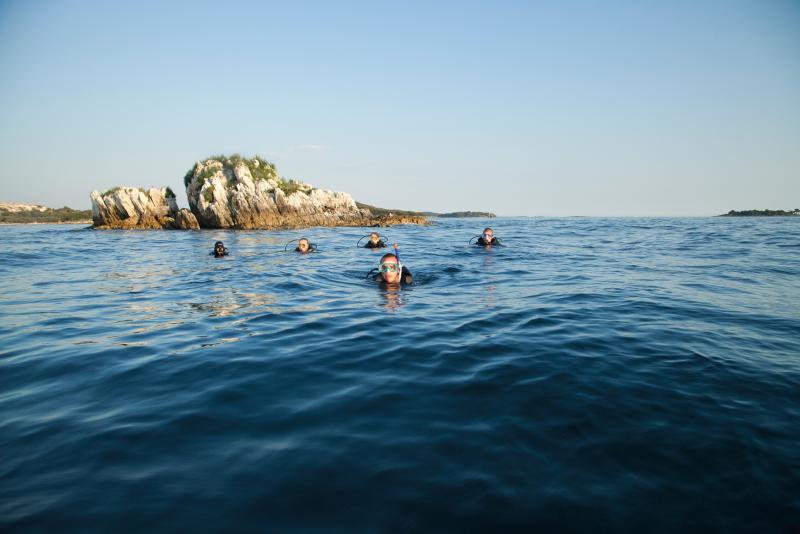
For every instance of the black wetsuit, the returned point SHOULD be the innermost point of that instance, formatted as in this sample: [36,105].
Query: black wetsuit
[216,255]
[483,243]
[405,277]
[379,244]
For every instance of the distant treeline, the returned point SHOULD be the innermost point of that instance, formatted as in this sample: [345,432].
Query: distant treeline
[480,214]
[50,215]
[760,213]
[384,211]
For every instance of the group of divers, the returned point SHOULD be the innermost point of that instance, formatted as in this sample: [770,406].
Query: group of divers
[390,269]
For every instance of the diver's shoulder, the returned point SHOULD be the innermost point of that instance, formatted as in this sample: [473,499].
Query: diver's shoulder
[405,276]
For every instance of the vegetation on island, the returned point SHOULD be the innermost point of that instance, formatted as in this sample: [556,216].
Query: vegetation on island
[111,191]
[476,214]
[168,193]
[761,213]
[384,211]
[379,212]
[260,169]
[50,215]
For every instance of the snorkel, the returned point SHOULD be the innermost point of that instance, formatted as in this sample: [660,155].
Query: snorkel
[399,263]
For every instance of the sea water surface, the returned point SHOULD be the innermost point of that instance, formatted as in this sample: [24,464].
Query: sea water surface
[592,374]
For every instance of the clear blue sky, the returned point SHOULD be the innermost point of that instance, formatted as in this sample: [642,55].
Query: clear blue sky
[521,108]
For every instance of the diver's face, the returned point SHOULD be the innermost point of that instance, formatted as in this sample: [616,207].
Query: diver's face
[219,249]
[374,238]
[488,235]
[303,245]
[390,270]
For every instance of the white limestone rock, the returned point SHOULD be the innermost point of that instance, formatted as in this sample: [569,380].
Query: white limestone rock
[129,207]
[226,194]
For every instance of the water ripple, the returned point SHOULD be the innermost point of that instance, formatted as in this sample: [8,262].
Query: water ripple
[592,372]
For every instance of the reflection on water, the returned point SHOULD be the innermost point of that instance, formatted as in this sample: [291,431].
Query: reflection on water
[488,297]
[393,296]
[220,341]
[226,302]
[487,279]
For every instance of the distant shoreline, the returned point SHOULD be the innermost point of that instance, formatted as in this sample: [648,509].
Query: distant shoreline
[761,213]
[13,213]
[62,215]
[454,214]
[6,223]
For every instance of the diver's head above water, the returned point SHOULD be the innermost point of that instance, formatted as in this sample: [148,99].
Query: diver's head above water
[391,271]
[303,245]
[487,238]
[375,241]
[219,250]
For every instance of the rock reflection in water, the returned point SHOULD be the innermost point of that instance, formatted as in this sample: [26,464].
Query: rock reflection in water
[236,303]
[233,302]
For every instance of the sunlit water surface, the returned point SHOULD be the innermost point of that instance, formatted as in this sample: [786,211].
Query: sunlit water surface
[634,374]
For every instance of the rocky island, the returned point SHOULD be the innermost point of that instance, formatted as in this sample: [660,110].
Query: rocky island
[236,192]
[129,207]
[760,213]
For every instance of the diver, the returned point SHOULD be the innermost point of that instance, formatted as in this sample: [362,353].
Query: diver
[375,241]
[219,250]
[487,239]
[304,247]
[392,272]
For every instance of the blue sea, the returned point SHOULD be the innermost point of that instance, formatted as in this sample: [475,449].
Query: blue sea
[593,374]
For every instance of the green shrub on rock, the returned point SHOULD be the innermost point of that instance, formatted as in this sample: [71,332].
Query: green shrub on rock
[260,169]
[293,186]
[111,191]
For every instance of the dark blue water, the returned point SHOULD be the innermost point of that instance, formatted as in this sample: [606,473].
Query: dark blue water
[595,374]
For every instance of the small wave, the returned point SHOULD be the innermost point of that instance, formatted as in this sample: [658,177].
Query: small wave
[137,369]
